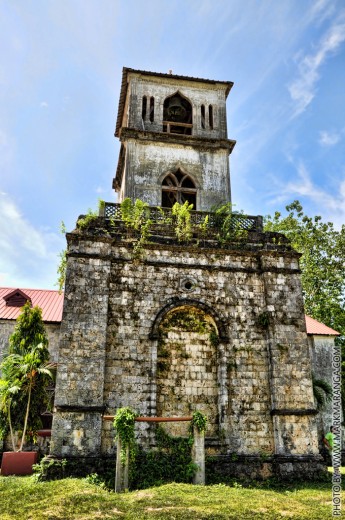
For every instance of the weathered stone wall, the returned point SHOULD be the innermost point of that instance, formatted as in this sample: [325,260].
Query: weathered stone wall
[160,88]
[80,375]
[260,390]
[148,153]
[53,332]
[148,161]
[321,349]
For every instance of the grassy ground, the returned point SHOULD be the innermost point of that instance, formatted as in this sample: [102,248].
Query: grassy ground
[21,498]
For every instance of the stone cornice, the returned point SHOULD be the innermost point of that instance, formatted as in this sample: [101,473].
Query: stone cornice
[204,143]
[183,265]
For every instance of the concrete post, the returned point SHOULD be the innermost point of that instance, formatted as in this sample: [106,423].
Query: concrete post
[198,455]
[121,475]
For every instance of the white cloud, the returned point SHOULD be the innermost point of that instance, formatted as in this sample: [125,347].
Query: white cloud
[302,89]
[25,250]
[328,138]
[44,104]
[331,205]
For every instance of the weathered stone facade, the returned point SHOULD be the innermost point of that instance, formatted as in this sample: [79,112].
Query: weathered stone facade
[209,325]
[243,358]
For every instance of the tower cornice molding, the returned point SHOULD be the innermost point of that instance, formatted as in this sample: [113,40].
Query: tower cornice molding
[179,139]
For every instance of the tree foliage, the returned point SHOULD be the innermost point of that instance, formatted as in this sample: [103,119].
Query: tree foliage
[322,262]
[323,272]
[29,331]
[26,372]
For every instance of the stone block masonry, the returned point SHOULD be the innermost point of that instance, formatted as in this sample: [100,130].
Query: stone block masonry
[185,328]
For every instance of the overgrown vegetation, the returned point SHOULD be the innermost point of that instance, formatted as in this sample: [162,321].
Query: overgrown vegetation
[136,217]
[181,219]
[229,228]
[75,499]
[323,267]
[124,422]
[322,392]
[169,461]
[26,372]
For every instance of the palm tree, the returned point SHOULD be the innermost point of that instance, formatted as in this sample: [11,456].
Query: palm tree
[22,372]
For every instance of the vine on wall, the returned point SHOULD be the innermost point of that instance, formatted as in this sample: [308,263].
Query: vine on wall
[170,461]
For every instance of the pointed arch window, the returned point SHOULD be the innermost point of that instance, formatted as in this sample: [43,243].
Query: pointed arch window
[178,187]
[177,115]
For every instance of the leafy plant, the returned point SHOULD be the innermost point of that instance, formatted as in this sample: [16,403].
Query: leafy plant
[85,221]
[25,373]
[170,461]
[49,469]
[199,421]
[229,227]
[322,392]
[136,217]
[62,266]
[214,338]
[182,220]
[124,422]
[263,320]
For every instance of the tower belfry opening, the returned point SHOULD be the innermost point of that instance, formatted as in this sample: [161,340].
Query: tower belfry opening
[177,115]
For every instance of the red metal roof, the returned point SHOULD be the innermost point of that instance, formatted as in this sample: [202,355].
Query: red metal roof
[51,303]
[316,328]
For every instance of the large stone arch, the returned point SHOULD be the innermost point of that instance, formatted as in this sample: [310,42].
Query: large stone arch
[187,363]
[185,302]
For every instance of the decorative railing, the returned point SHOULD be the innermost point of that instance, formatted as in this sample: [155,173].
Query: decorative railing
[157,215]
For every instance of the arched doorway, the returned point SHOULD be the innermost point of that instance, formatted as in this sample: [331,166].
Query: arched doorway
[187,367]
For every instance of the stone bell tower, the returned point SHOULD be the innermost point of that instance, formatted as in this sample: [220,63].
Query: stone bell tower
[213,322]
[174,144]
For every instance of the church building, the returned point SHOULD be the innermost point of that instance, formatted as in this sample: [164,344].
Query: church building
[211,322]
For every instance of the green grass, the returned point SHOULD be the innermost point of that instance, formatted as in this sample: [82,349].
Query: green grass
[21,498]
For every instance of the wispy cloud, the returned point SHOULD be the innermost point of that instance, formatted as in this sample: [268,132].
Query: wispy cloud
[44,104]
[332,204]
[302,89]
[24,249]
[329,138]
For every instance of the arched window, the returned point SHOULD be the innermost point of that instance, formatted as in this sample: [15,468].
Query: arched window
[202,116]
[178,187]
[152,109]
[210,116]
[177,115]
[144,108]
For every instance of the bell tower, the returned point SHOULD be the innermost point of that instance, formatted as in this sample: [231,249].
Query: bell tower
[174,144]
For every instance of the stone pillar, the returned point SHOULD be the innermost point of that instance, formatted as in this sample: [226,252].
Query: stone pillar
[122,469]
[293,408]
[77,421]
[198,455]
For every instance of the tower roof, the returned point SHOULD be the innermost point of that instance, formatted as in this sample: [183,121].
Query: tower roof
[123,92]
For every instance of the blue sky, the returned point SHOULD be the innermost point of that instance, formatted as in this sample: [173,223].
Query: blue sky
[60,73]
